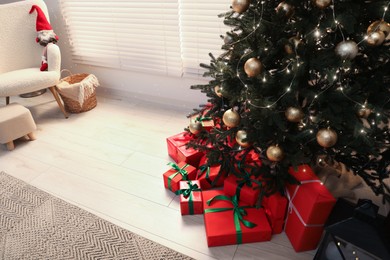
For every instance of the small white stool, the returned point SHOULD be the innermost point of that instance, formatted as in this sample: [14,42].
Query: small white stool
[15,121]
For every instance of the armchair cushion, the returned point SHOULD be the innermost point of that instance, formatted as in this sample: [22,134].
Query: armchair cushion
[26,80]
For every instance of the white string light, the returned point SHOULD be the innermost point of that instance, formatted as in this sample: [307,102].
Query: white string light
[339,26]
[318,34]
[255,26]
[288,89]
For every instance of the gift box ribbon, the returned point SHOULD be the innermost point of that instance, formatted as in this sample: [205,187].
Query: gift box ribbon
[187,193]
[205,168]
[291,206]
[182,139]
[246,180]
[238,214]
[179,170]
[201,119]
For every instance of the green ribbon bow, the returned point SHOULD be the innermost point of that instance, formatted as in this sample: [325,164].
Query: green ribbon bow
[238,213]
[188,193]
[205,168]
[245,180]
[201,119]
[179,170]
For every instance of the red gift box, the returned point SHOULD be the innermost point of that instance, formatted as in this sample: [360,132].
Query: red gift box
[191,202]
[207,122]
[309,207]
[179,172]
[251,157]
[246,162]
[209,174]
[247,188]
[230,222]
[275,207]
[179,153]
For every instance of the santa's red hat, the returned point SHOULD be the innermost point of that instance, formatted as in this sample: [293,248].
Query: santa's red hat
[42,23]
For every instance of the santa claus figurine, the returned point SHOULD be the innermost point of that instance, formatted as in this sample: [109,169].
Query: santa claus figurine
[45,35]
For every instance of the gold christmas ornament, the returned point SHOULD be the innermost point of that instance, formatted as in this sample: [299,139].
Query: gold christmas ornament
[240,136]
[218,91]
[253,67]
[286,9]
[231,118]
[292,45]
[195,126]
[347,50]
[294,114]
[364,112]
[240,6]
[322,3]
[379,26]
[376,38]
[275,153]
[288,48]
[326,137]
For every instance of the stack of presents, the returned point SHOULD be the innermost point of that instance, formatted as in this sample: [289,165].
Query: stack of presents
[228,202]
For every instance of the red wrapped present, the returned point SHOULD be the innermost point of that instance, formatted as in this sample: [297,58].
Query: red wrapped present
[248,157]
[247,161]
[275,207]
[178,151]
[179,172]
[191,202]
[207,122]
[209,176]
[230,222]
[246,188]
[309,207]
[176,141]
[230,141]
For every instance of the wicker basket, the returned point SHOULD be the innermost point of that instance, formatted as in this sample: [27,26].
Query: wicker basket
[79,81]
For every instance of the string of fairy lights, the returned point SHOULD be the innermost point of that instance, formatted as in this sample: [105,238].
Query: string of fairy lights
[318,35]
[347,49]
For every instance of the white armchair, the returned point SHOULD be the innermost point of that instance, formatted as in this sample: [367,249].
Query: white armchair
[20,55]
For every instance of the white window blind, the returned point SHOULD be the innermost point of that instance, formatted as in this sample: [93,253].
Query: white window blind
[200,30]
[156,36]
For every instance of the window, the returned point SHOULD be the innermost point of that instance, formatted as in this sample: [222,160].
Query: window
[158,36]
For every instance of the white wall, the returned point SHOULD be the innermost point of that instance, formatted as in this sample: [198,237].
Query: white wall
[155,88]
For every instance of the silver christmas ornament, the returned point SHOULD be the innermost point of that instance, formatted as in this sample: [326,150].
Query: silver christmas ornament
[347,50]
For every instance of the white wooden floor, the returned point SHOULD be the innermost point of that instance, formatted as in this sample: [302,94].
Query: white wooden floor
[110,162]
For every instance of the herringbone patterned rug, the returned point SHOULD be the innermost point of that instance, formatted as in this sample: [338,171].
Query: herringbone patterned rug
[36,225]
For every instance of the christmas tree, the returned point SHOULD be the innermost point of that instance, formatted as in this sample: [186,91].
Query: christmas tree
[299,82]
